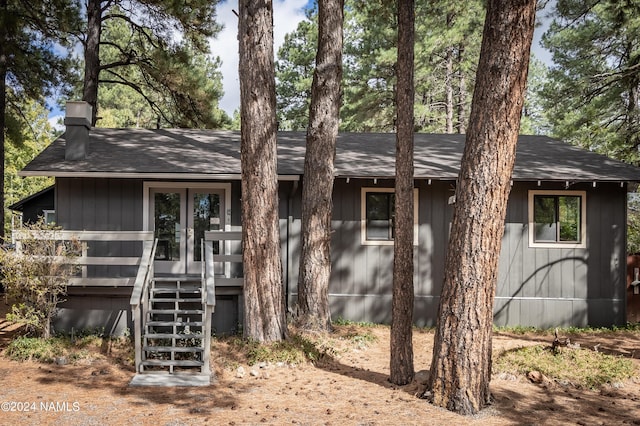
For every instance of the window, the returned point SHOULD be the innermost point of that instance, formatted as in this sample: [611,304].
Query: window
[49,216]
[378,227]
[557,219]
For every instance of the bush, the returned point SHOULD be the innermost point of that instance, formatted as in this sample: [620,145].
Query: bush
[36,276]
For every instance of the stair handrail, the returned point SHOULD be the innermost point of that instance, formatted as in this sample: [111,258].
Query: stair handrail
[208,300]
[139,292]
[208,274]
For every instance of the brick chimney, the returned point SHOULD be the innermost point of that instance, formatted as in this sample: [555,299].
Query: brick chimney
[78,123]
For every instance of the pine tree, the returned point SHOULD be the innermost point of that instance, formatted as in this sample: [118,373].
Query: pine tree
[264,317]
[137,48]
[461,363]
[317,190]
[592,97]
[30,68]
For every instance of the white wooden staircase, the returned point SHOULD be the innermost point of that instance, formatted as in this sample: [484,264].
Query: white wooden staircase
[174,330]
[172,326]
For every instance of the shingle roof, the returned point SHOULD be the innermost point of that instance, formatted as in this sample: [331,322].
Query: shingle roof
[207,153]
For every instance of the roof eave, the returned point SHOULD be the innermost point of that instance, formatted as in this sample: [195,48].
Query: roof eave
[138,175]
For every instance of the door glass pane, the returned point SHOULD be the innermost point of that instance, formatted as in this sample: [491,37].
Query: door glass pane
[206,217]
[167,225]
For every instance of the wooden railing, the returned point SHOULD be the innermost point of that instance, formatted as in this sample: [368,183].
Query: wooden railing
[225,237]
[208,300]
[86,239]
[140,296]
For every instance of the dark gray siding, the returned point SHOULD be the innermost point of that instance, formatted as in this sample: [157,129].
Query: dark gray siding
[548,287]
[99,204]
[536,286]
[542,287]
[362,276]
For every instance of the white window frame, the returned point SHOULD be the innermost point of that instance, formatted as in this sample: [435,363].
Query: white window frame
[46,214]
[558,244]
[363,217]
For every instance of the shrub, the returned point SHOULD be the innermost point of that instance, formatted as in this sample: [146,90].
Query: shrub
[35,277]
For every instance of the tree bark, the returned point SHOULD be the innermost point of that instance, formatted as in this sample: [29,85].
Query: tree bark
[461,363]
[264,317]
[448,82]
[92,57]
[401,362]
[462,93]
[317,191]
[3,105]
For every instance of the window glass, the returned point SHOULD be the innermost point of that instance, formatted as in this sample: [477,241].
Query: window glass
[380,207]
[545,218]
[557,218]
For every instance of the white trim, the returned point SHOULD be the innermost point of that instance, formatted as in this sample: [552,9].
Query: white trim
[363,216]
[583,219]
[146,203]
[146,187]
[48,212]
[140,175]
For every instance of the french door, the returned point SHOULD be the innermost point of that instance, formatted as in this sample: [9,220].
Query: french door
[179,218]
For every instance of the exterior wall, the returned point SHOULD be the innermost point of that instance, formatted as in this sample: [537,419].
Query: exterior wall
[117,205]
[33,210]
[543,287]
[362,275]
[548,287]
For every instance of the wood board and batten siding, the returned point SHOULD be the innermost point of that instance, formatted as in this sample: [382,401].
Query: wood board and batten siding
[361,283]
[548,287]
[542,287]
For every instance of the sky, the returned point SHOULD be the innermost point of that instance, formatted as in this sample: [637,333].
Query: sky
[287,16]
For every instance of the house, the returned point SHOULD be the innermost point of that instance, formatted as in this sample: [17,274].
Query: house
[563,259]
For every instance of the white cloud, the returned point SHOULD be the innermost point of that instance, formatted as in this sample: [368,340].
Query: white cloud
[56,120]
[287,15]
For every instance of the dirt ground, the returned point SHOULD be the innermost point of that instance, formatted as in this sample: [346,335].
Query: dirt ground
[349,389]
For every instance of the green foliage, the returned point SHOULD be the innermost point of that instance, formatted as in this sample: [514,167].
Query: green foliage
[446,53]
[36,276]
[579,367]
[25,348]
[294,71]
[71,348]
[295,350]
[150,82]
[633,223]
[303,347]
[592,95]
[343,321]
[36,134]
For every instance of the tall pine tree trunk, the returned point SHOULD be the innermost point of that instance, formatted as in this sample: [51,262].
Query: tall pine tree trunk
[3,104]
[92,57]
[264,317]
[448,81]
[462,93]
[317,191]
[461,363]
[401,364]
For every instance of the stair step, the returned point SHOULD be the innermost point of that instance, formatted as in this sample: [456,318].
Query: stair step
[176,278]
[176,311]
[176,323]
[175,363]
[173,336]
[174,290]
[172,349]
[169,300]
